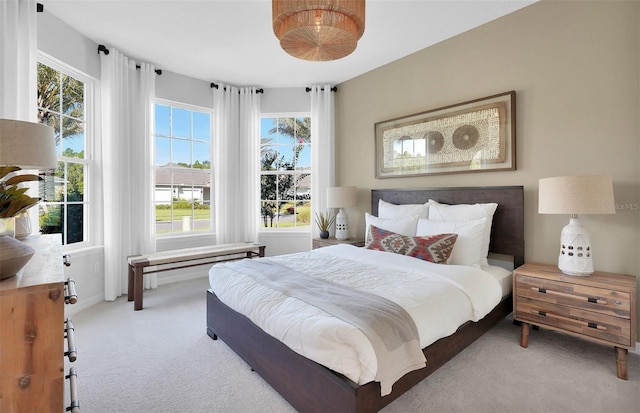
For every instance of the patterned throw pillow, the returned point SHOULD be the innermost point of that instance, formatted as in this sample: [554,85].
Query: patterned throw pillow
[432,248]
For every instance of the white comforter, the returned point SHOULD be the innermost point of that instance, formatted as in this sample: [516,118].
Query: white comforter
[440,298]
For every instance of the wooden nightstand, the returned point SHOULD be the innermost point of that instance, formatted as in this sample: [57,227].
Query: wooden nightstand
[319,242]
[600,307]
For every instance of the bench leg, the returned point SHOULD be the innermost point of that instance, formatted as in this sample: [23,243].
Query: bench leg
[130,284]
[137,288]
[261,251]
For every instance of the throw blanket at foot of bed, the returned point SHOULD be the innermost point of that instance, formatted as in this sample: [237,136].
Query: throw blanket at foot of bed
[389,328]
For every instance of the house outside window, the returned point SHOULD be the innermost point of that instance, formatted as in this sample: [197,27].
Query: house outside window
[182,165]
[285,172]
[64,102]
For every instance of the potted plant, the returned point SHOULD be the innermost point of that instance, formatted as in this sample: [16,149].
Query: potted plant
[324,222]
[13,200]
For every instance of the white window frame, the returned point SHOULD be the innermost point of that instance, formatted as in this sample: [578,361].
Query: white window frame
[92,223]
[194,108]
[281,230]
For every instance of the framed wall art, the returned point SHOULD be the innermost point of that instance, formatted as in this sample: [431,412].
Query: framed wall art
[474,136]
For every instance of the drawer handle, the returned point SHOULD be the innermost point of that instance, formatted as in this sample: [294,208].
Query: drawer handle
[74,404]
[71,352]
[593,300]
[596,300]
[572,320]
[70,296]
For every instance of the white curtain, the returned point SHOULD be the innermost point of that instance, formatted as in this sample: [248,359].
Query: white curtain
[323,153]
[127,125]
[18,55]
[236,163]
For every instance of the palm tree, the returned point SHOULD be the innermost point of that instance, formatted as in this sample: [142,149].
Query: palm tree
[298,129]
[51,86]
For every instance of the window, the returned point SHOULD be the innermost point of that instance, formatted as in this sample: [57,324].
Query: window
[64,99]
[285,172]
[182,166]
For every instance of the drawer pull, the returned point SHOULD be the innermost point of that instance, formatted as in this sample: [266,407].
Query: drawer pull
[593,300]
[572,320]
[74,404]
[71,352]
[70,296]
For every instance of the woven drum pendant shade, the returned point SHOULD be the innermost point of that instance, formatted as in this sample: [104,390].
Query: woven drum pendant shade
[318,30]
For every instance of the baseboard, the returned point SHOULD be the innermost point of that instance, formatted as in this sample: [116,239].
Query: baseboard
[637,349]
[82,304]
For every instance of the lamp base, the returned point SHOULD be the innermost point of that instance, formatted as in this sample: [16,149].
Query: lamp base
[342,226]
[575,250]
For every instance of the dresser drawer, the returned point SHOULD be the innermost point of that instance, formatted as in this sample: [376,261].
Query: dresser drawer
[599,300]
[589,323]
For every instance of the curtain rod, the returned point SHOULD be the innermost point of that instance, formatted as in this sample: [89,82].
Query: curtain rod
[215,86]
[103,49]
[333,89]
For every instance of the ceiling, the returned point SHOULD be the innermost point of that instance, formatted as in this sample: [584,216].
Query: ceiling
[232,41]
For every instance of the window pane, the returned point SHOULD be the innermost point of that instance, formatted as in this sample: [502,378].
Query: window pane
[163,151]
[180,123]
[72,138]
[75,182]
[163,120]
[202,126]
[75,220]
[304,158]
[51,218]
[72,97]
[48,88]
[181,152]
[201,155]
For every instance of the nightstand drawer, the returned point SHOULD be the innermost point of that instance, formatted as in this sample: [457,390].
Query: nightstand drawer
[589,323]
[600,300]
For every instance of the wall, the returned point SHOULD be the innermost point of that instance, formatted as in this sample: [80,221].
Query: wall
[575,67]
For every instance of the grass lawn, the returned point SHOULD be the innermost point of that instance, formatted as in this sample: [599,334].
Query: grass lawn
[165,214]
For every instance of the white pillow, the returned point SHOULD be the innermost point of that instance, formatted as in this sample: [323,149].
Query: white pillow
[466,212]
[389,210]
[402,226]
[468,248]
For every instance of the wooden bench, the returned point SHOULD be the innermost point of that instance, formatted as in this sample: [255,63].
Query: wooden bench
[183,258]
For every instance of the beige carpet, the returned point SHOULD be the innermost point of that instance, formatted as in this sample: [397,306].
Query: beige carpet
[161,360]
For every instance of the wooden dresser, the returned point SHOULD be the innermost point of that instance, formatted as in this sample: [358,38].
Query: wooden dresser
[33,332]
[600,307]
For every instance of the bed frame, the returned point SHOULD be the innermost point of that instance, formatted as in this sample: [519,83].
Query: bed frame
[311,387]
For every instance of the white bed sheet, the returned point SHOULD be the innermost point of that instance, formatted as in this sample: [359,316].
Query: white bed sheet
[439,298]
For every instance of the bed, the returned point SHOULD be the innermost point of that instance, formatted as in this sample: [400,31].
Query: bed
[311,387]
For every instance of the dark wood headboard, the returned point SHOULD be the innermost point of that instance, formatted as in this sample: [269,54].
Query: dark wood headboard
[507,231]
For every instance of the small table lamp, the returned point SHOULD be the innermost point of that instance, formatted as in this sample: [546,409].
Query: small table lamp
[575,195]
[25,145]
[342,197]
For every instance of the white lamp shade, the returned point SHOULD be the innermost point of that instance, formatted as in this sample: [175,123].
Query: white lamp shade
[341,197]
[576,195]
[27,145]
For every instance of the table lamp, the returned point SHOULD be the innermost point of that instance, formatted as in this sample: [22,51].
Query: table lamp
[576,195]
[342,197]
[24,145]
